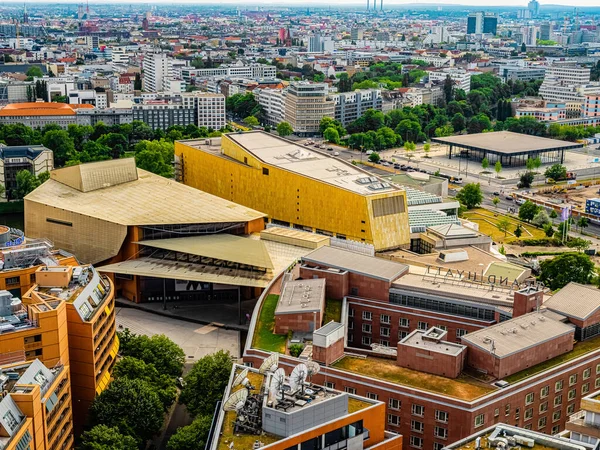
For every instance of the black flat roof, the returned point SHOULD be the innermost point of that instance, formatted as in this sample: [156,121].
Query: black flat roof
[506,142]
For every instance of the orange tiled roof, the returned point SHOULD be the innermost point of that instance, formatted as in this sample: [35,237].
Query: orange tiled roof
[40,109]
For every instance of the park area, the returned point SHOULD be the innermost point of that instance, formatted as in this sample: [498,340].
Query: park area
[488,222]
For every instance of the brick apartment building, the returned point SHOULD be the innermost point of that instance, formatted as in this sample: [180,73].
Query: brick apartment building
[450,357]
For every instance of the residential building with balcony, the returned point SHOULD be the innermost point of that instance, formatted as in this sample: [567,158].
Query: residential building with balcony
[306,104]
[349,106]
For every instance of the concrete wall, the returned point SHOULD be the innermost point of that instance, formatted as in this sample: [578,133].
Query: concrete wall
[285,424]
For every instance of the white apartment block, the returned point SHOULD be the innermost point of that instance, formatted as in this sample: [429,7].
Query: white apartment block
[210,110]
[252,71]
[569,73]
[89,97]
[120,56]
[272,102]
[563,92]
[460,77]
[174,85]
[156,69]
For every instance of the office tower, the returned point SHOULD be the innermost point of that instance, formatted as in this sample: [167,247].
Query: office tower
[545,31]
[156,69]
[482,22]
[306,104]
[533,6]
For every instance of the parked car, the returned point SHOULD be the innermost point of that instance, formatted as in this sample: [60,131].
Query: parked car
[336,153]
[496,194]
[329,149]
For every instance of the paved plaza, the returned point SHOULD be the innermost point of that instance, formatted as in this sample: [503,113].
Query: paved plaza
[195,340]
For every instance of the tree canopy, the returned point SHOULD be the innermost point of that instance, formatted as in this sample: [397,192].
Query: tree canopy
[192,436]
[563,269]
[155,157]
[102,437]
[470,195]
[160,351]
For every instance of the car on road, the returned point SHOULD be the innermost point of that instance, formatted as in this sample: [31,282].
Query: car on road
[496,194]
[329,149]
[336,153]
[509,197]
[396,166]
[385,163]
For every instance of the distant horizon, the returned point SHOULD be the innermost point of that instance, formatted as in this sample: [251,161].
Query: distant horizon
[346,4]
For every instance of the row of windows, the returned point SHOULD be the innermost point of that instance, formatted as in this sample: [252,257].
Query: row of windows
[442,306]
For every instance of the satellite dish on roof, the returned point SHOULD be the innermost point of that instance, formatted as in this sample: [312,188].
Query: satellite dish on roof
[269,364]
[236,401]
[298,377]
[240,378]
[313,368]
[277,383]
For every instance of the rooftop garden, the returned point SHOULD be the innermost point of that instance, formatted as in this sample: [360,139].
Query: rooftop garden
[488,224]
[355,404]
[333,311]
[264,337]
[579,349]
[240,440]
[385,369]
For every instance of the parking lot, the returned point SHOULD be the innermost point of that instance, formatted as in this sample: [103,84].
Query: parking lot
[195,340]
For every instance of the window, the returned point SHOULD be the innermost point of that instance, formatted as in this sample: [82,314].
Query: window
[416,442]
[544,391]
[10,420]
[556,416]
[422,325]
[366,328]
[555,429]
[393,419]
[529,398]
[587,373]
[366,340]
[479,420]
[541,422]
[394,403]
[558,386]
[507,409]
[349,390]
[570,409]
[384,343]
[441,416]
[416,426]
[437,446]
[12,280]
[572,394]
[350,312]
[585,388]
[418,410]
[543,407]
[445,328]
[573,379]
[404,323]
[265,171]
[528,426]
[528,413]
[384,318]
[557,400]
[366,315]
[384,332]
[517,413]
[350,338]
[597,369]
[496,412]
[597,384]
[441,433]
[460,332]
[351,325]
[330,385]
[372,396]
[403,334]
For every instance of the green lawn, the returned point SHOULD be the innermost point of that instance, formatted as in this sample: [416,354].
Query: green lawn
[580,348]
[487,220]
[264,338]
[333,311]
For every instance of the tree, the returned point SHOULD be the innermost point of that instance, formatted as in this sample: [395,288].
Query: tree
[61,144]
[537,163]
[498,168]
[192,436]
[583,222]
[251,121]
[155,157]
[26,183]
[102,437]
[374,157]
[408,129]
[529,164]
[541,218]
[332,135]
[479,123]
[284,129]
[117,142]
[458,122]
[518,231]
[448,89]
[568,267]
[549,230]
[34,71]
[137,82]
[525,180]
[579,243]
[485,164]
[503,225]
[470,195]
[556,172]
[553,214]
[205,383]
[158,350]
[495,201]
[528,210]
[132,406]
[427,149]
[133,368]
